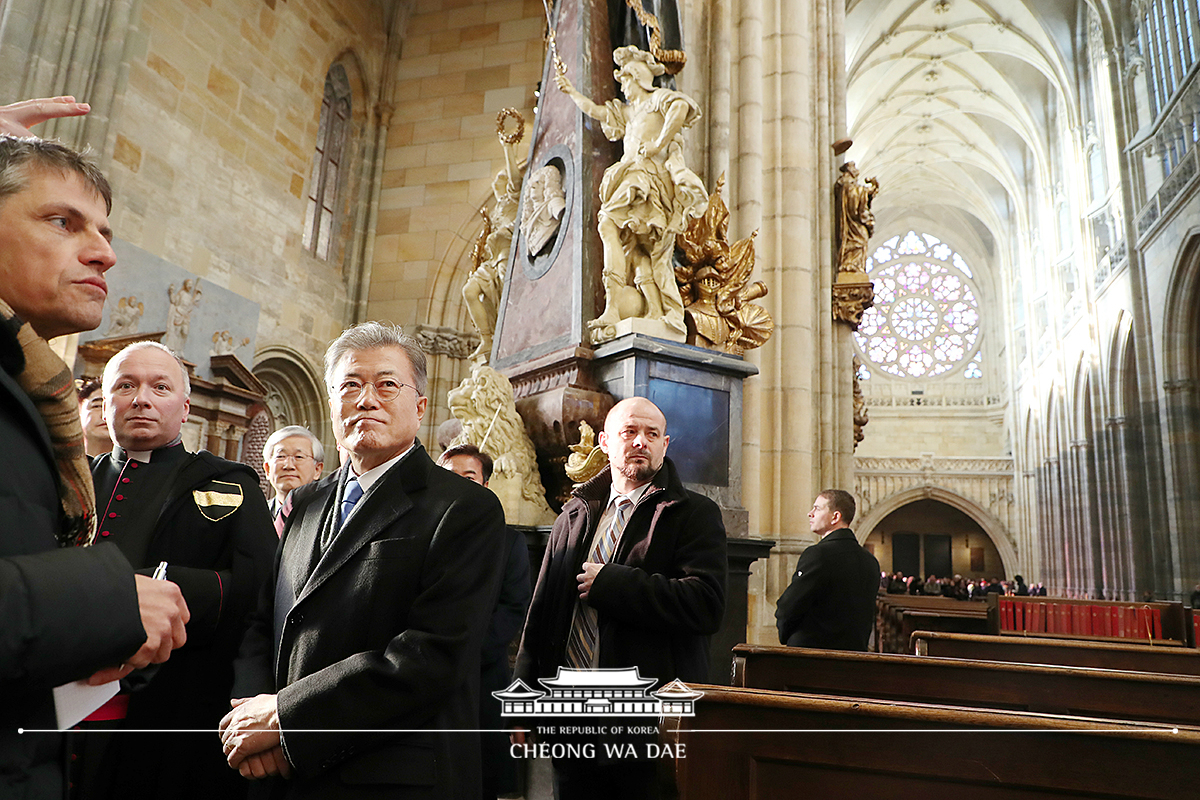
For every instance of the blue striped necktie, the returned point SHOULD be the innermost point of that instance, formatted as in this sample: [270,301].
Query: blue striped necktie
[352,495]
[585,629]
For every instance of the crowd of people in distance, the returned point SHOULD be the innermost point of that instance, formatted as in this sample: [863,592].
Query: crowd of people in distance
[958,587]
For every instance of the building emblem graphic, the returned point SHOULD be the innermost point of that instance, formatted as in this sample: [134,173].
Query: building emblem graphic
[598,693]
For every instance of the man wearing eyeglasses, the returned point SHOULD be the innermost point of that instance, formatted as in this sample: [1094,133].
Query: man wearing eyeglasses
[359,675]
[292,457]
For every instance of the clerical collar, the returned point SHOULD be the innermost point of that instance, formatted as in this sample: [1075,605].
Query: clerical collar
[369,478]
[145,456]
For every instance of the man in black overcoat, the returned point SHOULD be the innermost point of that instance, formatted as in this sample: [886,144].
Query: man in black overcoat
[359,675]
[651,603]
[67,611]
[831,600]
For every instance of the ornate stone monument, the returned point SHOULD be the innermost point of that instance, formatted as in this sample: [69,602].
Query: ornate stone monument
[554,288]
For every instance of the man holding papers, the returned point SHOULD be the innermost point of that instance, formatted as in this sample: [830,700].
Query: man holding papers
[67,611]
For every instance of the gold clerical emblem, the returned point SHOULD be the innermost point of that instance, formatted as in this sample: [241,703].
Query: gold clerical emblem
[218,502]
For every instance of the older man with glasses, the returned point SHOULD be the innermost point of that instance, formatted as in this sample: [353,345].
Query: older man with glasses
[359,676]
[292,457]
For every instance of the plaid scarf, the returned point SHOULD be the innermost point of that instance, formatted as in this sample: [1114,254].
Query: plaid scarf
[48,383]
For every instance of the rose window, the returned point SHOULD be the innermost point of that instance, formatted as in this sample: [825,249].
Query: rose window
[925,320]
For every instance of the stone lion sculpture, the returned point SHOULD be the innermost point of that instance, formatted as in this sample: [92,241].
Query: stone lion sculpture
[484,404]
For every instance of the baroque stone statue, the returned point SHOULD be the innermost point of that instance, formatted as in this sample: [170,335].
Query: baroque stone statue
[542,211]
[125,316]
[179,315]
[484,404]
[482,290]
[646,198]
[714,282]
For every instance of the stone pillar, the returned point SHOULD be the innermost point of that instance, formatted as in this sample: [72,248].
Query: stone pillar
[78,47]
[786,90]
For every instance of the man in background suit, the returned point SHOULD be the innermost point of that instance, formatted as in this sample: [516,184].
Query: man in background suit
[831,601]
[499,768]
[359,676]
[68,611]
[292,457]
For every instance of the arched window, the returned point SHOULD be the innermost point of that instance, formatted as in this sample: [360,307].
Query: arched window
[925,321]
[321,216]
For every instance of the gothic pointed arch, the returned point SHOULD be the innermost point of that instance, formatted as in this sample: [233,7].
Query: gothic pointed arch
[295,391]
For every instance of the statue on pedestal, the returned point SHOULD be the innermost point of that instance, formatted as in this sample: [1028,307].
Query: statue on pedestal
[483,288]
[646,198]
[714,281]
[484,404]
[852,290]
[856,222]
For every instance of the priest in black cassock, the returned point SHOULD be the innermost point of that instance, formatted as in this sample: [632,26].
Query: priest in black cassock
[207,519]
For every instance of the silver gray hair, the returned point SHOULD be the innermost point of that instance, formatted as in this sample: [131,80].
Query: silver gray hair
[371,336]
[110,369]
[288,432]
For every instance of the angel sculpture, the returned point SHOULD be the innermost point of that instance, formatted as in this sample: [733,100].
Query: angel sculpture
[714,284]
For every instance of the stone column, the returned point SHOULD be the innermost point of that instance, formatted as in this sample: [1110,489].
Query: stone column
[786,88]
[78,47]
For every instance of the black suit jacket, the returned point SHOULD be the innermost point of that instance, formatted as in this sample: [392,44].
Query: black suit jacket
[66,612]
[831,601]
[384,636]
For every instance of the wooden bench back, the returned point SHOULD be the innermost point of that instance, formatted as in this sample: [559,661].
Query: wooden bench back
[747,744]
[897,616]
[1039,688]
[1063,652]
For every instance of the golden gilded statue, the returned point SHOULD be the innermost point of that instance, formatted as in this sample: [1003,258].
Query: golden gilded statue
[587,460]
[856,221]
[713,279]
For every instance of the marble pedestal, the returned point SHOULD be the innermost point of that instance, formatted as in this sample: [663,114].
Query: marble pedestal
[700,392]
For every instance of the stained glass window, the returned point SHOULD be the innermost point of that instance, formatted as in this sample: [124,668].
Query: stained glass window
[325,182]
[925,321]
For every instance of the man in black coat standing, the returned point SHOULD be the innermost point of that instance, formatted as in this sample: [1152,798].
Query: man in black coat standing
[831,601]
[359,674]
[634,576]
[499,768]
[68,611]
[207,519]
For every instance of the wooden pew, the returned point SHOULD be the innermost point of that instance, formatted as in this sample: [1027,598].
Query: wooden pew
[1104,693]
[897,616]
[747,744]
[1172,660]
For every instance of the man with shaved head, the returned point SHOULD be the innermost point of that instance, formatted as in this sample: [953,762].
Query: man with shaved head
[634,576]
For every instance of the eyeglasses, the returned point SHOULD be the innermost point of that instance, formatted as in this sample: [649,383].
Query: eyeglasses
[297,459]
[386,389]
